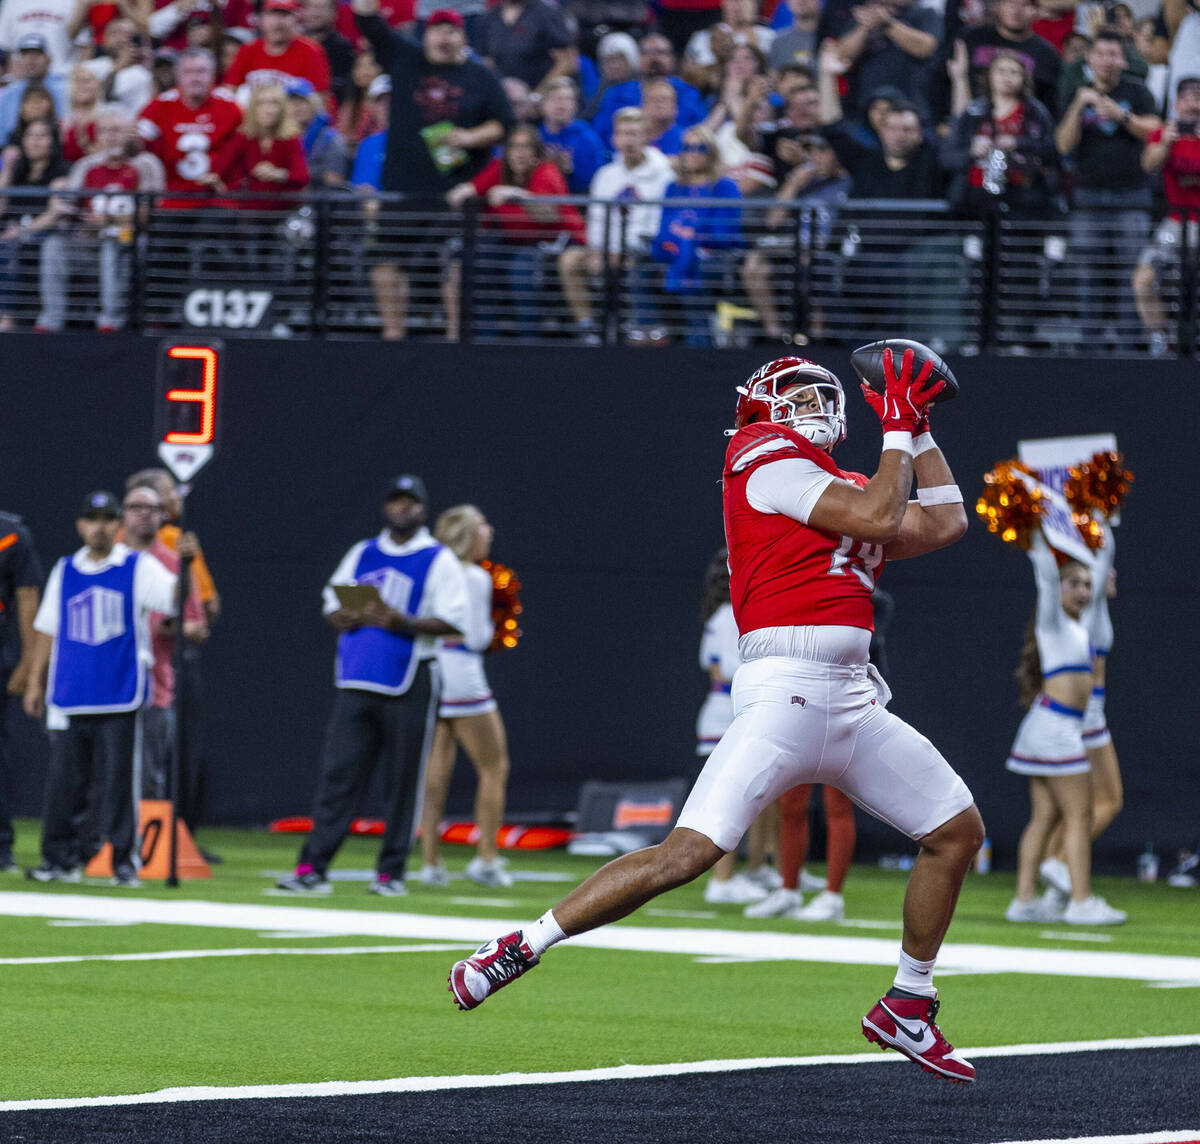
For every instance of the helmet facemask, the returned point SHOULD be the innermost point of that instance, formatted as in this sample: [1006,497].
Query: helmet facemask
[824,427]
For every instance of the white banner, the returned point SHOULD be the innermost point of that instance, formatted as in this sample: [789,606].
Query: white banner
[1058,528]
[1052,457]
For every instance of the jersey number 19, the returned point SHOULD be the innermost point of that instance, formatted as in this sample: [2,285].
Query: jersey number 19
[857,558]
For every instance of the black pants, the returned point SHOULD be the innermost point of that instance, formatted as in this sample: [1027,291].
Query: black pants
[366,729]
[100,745]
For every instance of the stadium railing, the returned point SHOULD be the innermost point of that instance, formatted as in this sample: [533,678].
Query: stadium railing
[315,266]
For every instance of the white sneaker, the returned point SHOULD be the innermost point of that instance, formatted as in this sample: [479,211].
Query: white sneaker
[490,873]
[1092,911]
[1053,904]
[825,907]
[1031,911]
[1054,873]
[810,883]
[767,877]
[779,903]
[433,875]
[737,891]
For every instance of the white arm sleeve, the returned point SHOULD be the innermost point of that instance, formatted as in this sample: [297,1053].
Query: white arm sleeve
[790,487]
[46,620]
[153,586]
[445,597]
[1049,591]
[1095,616]
[342,574]
[477,635]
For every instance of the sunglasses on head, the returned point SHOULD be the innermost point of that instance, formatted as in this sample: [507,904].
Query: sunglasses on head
[694,149]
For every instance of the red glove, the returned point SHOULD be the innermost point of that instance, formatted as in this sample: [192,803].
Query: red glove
[906,399]
[875,401]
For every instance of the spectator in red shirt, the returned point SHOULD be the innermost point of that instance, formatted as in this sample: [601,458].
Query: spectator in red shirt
[188,125]
[281,54]
[78,126]
[1175,151]
[516,224]
[266,155]
[180,24]
[94,238]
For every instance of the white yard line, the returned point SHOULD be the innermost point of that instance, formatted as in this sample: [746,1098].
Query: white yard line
[620,1072]
[758,945]
[247,951]
[1138,1138]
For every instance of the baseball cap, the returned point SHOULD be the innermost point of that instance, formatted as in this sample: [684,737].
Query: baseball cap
[618,44]
[759,169]
[409,486]
[33,42]
[280,6]
[380,85]
[445,16]
[100,504]
[299,86]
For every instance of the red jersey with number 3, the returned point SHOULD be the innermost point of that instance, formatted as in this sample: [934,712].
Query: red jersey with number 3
[185,139]
[784,573]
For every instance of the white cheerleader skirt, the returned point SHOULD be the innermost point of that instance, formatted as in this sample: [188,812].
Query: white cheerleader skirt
[1049,741]
[1095,725]
[715,716]
[465,689]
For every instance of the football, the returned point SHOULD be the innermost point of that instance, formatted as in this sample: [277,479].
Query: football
[868,364]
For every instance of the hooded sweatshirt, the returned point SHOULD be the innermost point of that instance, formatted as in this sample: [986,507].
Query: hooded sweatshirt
[615,182]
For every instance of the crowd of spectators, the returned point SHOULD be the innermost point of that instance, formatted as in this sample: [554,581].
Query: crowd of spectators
[1085,112]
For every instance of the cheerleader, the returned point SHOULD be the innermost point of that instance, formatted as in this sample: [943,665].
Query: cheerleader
[468,715]
[1056,680]
[1107,790]
[720,659]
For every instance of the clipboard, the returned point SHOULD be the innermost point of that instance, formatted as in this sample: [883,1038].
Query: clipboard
[355,597]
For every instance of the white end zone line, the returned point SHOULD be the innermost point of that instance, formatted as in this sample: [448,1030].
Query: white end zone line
[756,945]
[619,1072]
[246,951]
[1181,1137]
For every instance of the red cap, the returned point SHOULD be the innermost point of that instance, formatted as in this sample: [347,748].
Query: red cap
[445,16]
[281,6]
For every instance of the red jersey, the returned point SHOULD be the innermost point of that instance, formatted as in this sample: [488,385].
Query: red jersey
[236,163]
[396,14]
[1181,173]
[545,179]
[784,573]
[1011,124]
[185,138]
[301,59]
[110,183]
[234,14]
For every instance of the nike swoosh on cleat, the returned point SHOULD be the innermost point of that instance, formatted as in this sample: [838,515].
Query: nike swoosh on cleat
[920,1041]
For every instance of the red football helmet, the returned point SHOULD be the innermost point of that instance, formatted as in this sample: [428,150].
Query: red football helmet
[767,394]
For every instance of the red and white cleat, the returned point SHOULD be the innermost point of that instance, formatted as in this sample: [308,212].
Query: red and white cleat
[474,979]
[907,1025]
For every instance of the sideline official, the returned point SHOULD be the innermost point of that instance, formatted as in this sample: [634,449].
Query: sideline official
[89,663]
[20,587]
[386,689]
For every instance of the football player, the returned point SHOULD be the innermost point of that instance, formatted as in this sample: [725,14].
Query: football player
[806,543]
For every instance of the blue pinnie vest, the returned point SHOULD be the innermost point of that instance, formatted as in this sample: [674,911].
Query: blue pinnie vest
[371,659]
[96,668]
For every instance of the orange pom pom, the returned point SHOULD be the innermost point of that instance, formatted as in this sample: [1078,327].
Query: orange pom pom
[1098,485]
[506,605]
[1008,506]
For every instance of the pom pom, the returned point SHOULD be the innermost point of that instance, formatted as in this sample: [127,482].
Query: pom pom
[1098,485]
[1008,506]
[506,605]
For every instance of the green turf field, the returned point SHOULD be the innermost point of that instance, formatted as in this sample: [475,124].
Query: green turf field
[104,1027]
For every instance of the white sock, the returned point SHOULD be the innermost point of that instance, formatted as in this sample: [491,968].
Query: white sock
[915,976]
[544,933]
